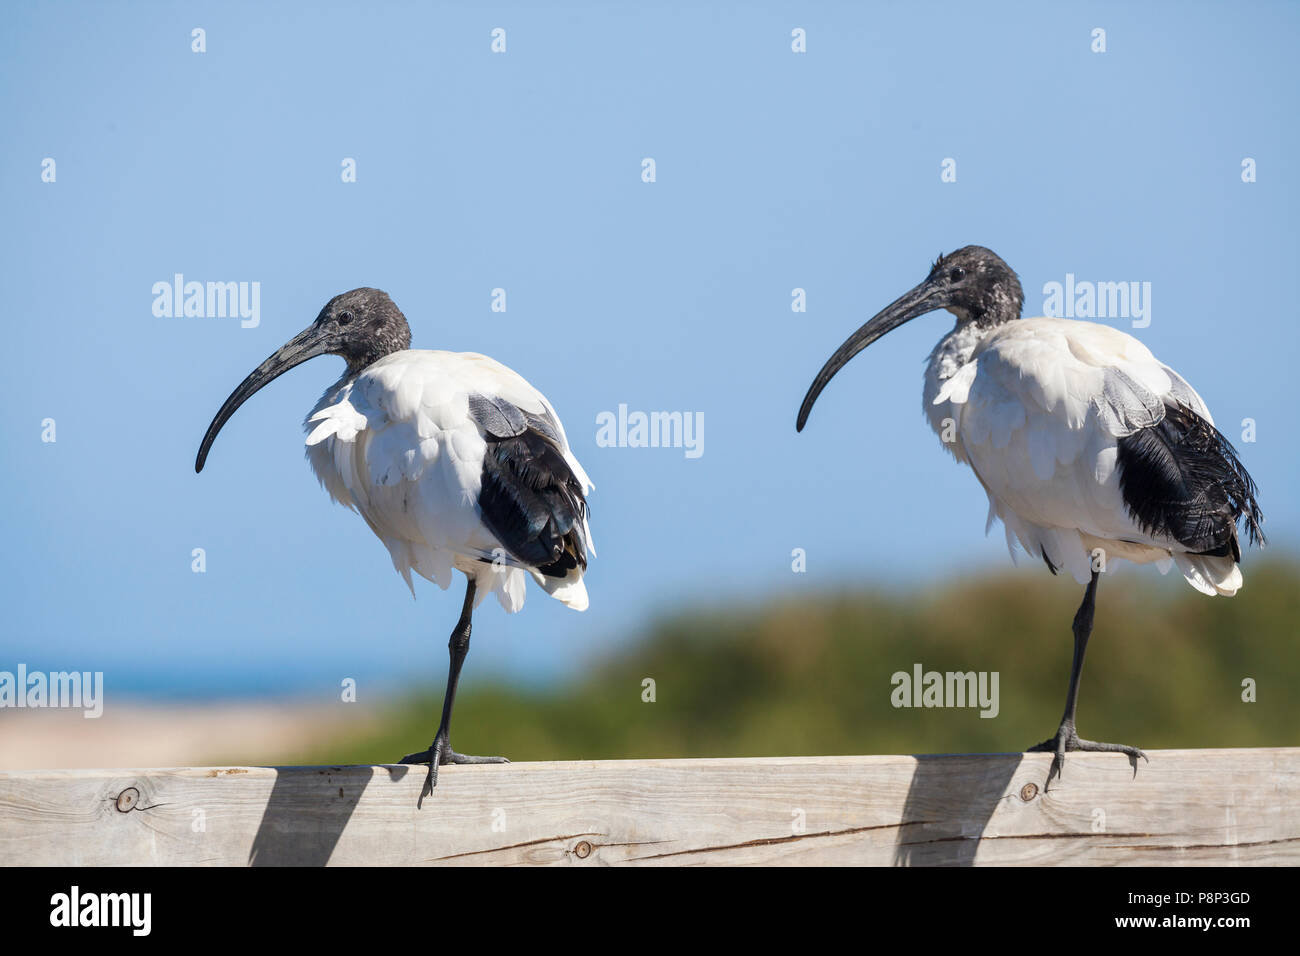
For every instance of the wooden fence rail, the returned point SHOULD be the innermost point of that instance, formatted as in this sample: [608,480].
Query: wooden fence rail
[1184,807]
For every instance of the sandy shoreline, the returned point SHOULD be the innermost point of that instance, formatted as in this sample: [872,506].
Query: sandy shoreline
[142,734]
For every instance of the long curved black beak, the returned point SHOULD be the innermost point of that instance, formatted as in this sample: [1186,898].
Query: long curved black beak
[926,297]
[307,344]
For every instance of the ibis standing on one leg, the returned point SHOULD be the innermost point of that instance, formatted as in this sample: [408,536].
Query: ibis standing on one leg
[1088,447]
[454,461]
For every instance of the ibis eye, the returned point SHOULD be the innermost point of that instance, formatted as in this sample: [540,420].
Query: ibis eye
[345,318]
[957,274]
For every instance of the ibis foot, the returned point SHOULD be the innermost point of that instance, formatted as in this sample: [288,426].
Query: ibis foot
[445,755]
[1067,740]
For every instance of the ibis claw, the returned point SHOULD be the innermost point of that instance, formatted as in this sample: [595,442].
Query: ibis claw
[441,746]
[1067,740]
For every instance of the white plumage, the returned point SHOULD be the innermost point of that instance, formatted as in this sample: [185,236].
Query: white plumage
[1036,408]
[398,444]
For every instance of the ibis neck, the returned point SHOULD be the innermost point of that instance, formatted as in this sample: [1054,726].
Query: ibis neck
[359,363]
[955,350]
[394,337]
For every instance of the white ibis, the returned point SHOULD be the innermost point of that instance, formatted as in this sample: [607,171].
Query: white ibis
[1089,448]
[452,459]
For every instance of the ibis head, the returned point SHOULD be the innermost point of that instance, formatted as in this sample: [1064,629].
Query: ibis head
[973,283]
[361,326]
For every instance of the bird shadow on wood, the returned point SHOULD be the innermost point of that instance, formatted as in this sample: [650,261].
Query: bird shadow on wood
[308,809]
[950,801]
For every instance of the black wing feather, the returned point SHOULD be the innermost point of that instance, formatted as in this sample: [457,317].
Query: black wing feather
[529,498]
[1181,478]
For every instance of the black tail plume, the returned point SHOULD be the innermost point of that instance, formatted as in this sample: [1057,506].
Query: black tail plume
[1182,478]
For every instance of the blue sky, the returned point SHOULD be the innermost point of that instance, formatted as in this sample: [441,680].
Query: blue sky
[522,171]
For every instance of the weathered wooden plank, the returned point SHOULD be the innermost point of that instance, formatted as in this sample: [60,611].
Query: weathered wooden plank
[1186,807]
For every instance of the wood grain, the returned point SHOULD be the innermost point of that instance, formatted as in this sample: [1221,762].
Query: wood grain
[1186,807]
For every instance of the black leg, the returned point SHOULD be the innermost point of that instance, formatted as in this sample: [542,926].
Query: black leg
[440,751]
[1067,739]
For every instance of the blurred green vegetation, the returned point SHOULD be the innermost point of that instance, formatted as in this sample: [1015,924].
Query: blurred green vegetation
[811,675]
